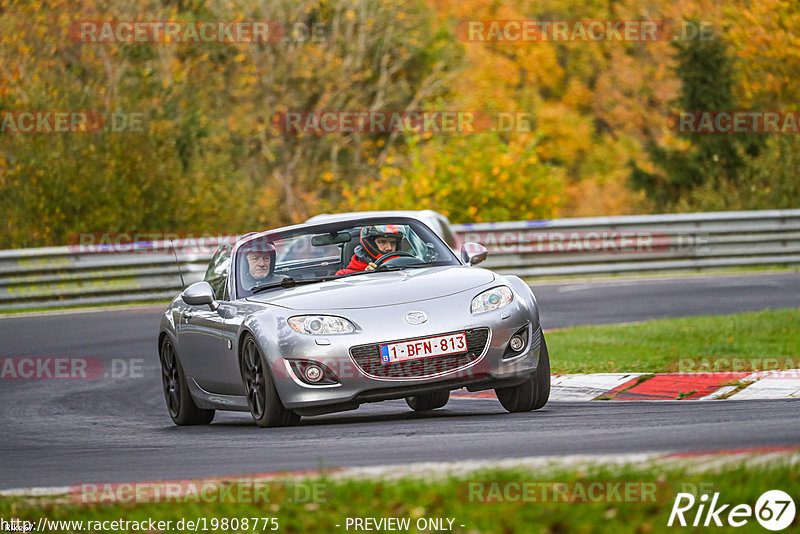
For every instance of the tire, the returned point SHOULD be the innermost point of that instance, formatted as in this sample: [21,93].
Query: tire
[262,397]
[431,401]
[180,403]
[534,392]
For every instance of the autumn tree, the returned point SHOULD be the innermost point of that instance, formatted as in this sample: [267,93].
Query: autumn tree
[209,157]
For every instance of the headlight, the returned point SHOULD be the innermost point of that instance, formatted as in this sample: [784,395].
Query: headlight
[321,324]
[492,299]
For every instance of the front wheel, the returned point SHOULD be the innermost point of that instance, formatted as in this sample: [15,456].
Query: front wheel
[262,397]
[431,401]
[534,392]
[180,404]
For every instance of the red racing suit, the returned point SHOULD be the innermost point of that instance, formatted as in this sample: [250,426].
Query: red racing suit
[354,266]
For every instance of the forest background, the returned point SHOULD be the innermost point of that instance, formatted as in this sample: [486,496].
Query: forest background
[209,157]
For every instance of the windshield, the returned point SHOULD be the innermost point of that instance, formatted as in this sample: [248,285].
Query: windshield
[334,250]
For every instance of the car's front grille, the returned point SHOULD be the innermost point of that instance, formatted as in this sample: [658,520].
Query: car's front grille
[368,358]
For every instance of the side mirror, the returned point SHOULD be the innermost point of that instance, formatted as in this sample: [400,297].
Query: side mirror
[473,253]
[198,294]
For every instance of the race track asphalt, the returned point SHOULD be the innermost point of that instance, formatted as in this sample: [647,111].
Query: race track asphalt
[61,432]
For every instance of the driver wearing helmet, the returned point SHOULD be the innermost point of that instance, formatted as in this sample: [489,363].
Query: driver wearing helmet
[375,242]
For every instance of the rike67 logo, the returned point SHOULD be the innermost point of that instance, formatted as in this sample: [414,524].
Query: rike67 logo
[774,510]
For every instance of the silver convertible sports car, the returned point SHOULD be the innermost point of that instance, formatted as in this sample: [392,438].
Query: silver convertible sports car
[324,316]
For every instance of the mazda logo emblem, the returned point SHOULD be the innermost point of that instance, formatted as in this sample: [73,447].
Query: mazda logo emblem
[416,317]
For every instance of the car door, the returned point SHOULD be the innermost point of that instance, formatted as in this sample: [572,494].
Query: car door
[201,339]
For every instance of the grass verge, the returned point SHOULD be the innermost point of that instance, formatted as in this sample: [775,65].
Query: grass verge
[743,342]
[485,501]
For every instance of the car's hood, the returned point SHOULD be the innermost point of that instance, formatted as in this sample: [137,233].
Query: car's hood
[379,289]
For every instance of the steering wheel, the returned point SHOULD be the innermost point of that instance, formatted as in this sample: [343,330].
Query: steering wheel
[392,255]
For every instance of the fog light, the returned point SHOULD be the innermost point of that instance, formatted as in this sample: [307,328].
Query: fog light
[313,373]
[517,343]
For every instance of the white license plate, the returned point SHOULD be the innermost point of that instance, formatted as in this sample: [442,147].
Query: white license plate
[424,348]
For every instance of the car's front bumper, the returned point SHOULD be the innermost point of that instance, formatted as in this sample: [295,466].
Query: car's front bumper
[357,383]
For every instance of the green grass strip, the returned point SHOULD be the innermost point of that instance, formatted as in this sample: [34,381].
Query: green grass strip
[743,342]
[487,501]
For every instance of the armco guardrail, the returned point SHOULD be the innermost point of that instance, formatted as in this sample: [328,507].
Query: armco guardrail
[57,276]
[642,243]
[99,274]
